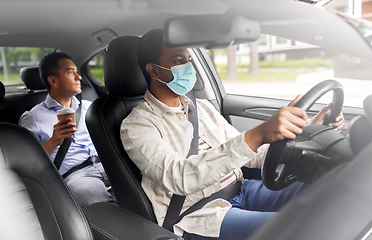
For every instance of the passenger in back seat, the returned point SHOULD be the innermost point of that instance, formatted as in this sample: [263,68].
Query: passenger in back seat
[81,168]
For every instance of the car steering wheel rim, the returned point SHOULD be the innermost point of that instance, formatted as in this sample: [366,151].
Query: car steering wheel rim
[279,149]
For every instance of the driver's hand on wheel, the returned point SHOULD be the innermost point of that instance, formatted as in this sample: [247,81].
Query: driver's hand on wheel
[285,123]
[338,125]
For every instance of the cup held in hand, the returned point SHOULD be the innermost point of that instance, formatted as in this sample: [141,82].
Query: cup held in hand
[66,113]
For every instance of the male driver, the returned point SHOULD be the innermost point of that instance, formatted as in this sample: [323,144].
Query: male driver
[81,168]
[157,136]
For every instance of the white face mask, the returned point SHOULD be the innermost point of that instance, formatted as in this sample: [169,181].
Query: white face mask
[184,78]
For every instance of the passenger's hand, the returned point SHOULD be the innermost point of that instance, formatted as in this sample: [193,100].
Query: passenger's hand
[63,129]
[339,123]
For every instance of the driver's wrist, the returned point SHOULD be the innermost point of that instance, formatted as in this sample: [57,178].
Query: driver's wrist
[253,138]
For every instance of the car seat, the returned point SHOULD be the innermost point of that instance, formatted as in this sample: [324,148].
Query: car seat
[5,113]
[34,202]
[126,86]
[34,93]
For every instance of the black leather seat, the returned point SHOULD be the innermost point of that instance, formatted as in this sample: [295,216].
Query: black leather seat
[5,113]
[126,86]
[34,93]
[34,201]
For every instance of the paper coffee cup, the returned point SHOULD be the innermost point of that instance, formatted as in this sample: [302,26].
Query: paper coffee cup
[66,113]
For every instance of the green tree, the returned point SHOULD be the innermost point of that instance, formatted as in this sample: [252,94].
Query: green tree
[23,53]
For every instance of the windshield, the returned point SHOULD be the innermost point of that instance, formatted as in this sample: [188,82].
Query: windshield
[277,67]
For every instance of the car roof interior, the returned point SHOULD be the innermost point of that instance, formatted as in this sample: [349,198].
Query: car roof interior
[91,25]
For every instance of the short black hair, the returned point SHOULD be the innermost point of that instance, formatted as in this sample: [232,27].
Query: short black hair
[49,66]
[149,50]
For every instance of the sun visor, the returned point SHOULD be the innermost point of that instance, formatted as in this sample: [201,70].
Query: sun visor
[210,31]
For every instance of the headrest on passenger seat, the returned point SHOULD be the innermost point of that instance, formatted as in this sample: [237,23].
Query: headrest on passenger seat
[2,90]
[123,75]
[30,76]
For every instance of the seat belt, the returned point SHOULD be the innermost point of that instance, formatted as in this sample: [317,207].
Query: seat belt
[226,193]
[177,201]
[173,215]
[67,141]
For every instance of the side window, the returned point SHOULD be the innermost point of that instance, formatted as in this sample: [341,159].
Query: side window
[96,65]
[275,67]
[12,59]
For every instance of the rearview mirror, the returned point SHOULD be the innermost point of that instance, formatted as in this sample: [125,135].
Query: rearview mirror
[210,31]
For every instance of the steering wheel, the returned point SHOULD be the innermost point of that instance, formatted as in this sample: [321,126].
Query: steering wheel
[280,151]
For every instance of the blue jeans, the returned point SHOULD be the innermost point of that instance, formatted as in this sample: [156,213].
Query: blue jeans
[251,208]
[88,185]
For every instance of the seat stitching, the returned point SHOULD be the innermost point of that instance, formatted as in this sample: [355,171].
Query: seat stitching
[23,209]
[12,190]
[32,229]
[102,231]
[78,208]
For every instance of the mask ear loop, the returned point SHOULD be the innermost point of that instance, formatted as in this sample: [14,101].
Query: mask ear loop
[162,68]
[162,81]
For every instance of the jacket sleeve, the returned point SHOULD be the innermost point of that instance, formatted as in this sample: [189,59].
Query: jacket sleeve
[143,141]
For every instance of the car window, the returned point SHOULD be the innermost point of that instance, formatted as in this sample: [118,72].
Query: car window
[12,59]
[96,65]
[280,68]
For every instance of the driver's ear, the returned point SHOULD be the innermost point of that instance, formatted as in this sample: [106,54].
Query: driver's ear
[151,71]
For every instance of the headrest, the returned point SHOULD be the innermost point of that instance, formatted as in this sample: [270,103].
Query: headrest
[123,75]
[30,76]
[2,90]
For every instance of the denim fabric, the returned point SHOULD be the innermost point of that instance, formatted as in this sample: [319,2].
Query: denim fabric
[251,208]
[89,185]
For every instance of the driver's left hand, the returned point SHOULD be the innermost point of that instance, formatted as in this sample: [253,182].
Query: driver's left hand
[338,125]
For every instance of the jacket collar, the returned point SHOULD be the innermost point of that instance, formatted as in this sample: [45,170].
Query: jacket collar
[160,108]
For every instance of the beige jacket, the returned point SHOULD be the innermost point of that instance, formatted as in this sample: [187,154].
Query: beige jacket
[158,139]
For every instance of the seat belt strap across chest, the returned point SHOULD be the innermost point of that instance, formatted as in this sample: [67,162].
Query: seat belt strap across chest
[67,141]
[173,215]
[177,201]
